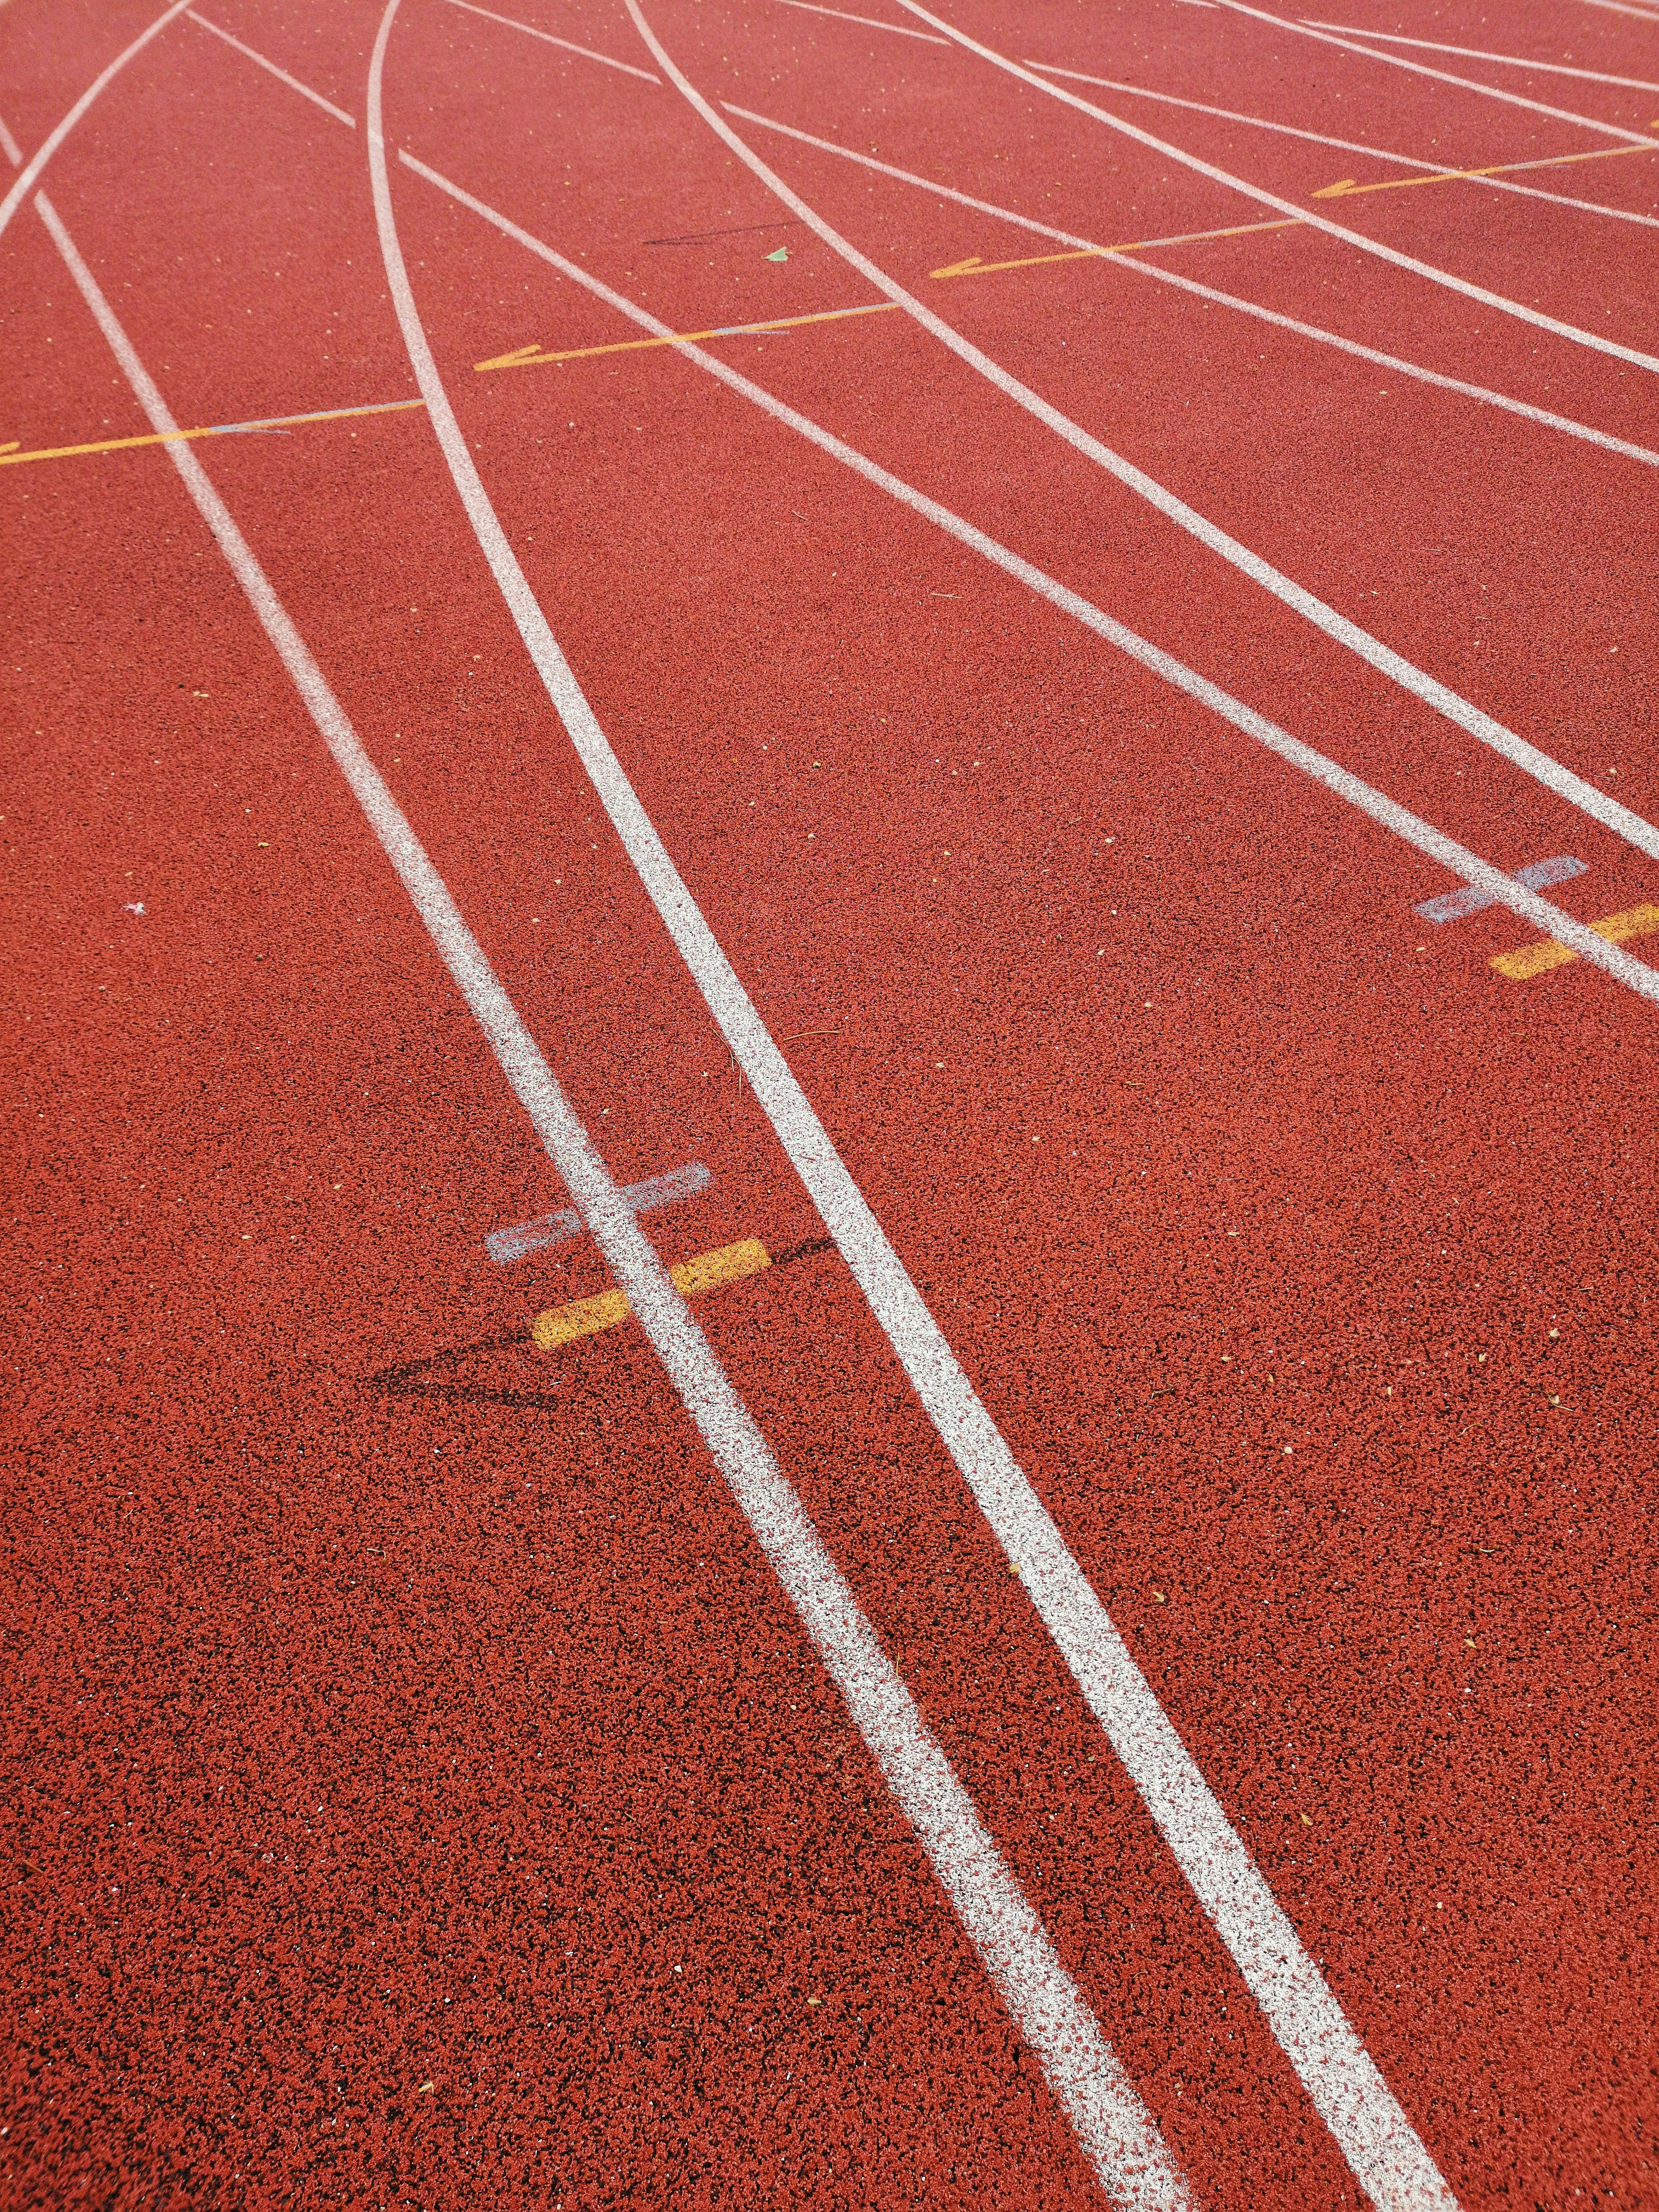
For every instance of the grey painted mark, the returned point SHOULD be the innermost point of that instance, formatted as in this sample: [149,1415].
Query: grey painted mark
[506,1245]
[1452,906]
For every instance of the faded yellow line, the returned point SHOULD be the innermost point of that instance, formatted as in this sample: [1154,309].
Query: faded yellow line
[531,356]
[211,430]
[1529,960]
[1348,189]
[707,1271]
[973,266]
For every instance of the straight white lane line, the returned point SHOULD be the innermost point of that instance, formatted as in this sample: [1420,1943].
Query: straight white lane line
[1573,788]
[1617,7]
[1127,260]
[548,40]
[338,113]
[1339,2074]
[49,146]
[1358,238]
[1440,76]
[1118,2134]
[1475,54]
[1347,145]
[899,30]
[1129,2157]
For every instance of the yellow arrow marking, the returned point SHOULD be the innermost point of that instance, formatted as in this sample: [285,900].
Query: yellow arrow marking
[531,357]
[1348,188]
[707,1271]
[10,455]
[513,360]
[974,267]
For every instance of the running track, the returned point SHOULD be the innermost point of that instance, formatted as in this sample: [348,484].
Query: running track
[1118,1666]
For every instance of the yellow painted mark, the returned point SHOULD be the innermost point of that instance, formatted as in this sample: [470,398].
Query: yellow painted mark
[707,1271]
[1529,960]
[973,266]
[1349,190]
[12,447]
[582,1317]
[730,1264]
[9,453]
[531,356]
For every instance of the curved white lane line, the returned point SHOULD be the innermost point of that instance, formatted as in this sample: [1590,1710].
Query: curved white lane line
[1631,827]
[1116,2132]
[1540,414]
[1535,316]
[1349,145]
[1505,890]
[1440,76]
[1119,2136]
[1339,2074]
[1475,54]
[43,154]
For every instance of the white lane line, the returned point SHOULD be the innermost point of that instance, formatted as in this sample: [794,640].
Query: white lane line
[1477,54]
[1440,76]
[1119,2136]
[1339,2075]
[1538,415]
[1372,246]
[14,152]
[1620,8]
[504,1246]
[31,168]
[1116,2132]
[1347,145]
[338,113]
[899,30]
[548,38]
[1382,809]
[1548,771]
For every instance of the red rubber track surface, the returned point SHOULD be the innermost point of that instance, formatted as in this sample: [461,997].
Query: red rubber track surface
[426,1794]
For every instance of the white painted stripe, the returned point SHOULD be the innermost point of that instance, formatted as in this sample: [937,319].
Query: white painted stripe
[31,168]
[1478,54]
[14,152]
[1347,145]
[1339,2074]
[1550,772]
[504,1246]
[1619,7]
[338,113]
[1538,415]
[1440,76]
[1116,2132]
[548,38]
[1303,215]
[899,30]
[1122,2142]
